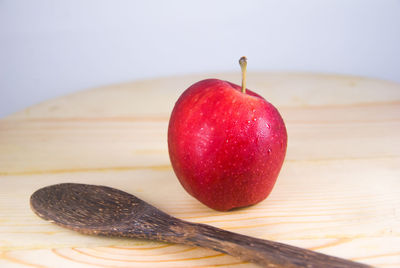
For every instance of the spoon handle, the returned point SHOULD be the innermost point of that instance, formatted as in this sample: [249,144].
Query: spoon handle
[264,252]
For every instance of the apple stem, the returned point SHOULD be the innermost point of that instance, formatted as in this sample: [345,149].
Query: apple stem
[243,66]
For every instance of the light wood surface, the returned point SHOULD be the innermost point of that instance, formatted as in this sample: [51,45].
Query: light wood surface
[338,191]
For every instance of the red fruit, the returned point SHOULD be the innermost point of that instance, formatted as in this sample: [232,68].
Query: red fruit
[226,147]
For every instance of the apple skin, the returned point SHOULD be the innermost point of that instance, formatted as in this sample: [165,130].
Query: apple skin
[226,147]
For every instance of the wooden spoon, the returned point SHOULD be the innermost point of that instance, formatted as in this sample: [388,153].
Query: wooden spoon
[102,210]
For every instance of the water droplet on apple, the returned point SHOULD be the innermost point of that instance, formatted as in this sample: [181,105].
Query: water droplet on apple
[254,119]
[249,121]
[267,125]
[269,151]
[227,141]
[254,110]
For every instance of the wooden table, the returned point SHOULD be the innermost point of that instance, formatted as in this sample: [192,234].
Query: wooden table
[338,191]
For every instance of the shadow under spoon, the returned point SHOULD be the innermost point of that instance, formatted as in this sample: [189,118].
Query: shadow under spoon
[101,210]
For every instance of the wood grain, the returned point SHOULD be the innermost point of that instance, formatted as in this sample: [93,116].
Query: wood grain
[338,192]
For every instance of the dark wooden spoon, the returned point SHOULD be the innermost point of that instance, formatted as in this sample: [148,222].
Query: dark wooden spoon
[102,210]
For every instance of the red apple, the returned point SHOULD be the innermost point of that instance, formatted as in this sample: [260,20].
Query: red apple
[226,143]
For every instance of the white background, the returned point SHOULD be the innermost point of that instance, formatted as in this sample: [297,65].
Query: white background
[51,48]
